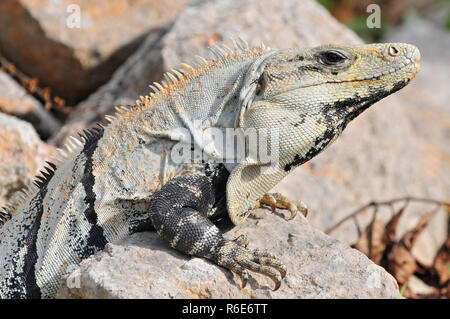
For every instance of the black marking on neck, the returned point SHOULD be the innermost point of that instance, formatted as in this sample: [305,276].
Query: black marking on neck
[338,111]
[363,103]
[323,141]
[295,162]
[96,239]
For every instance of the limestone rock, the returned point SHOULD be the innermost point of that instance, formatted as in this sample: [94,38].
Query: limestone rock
[14,100]
[22,154]
[128,82]
[143,266]
[73,47]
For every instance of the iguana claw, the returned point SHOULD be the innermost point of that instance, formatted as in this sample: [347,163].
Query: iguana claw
[234,256]
[276,200]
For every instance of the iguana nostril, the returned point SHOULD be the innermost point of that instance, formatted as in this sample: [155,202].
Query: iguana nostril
[393,51]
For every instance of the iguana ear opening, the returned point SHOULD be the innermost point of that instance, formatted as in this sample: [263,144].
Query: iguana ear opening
[247,184]
[250,85]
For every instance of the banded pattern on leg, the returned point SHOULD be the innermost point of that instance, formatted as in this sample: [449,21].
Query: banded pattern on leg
[179,214]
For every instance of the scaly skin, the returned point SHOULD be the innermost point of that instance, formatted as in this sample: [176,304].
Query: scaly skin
[124,178]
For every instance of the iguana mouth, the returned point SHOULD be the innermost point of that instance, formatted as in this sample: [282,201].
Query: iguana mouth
[410,65]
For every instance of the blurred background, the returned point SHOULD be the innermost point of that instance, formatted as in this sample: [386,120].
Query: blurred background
[353,14]
[66,63]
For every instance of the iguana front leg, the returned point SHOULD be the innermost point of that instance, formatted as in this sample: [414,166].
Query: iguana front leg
[179,214]
[276,200]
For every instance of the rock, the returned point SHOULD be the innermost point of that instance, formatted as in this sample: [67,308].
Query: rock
[42,38]
[214,22]
[22,154]
[128,82]
[143,266]
[14,100]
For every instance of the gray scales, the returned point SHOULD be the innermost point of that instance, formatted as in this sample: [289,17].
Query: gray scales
[123,178]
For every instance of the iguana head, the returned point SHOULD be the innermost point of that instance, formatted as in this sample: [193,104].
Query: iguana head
[308,96]
[333,83]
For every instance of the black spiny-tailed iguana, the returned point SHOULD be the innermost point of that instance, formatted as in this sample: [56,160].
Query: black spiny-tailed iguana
[126,177]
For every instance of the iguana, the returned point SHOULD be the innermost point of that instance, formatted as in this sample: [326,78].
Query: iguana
[126,177]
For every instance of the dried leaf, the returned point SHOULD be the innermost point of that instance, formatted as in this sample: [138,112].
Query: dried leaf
[391,226]
[379,244]
[400,260]
[401,263]
[410,238]
[442,263]
[33,84]
[372,241]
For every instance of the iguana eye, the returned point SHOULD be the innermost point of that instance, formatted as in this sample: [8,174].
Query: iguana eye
[332,57]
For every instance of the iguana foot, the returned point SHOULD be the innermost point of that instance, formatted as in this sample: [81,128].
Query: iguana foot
[235,256]
[276,200]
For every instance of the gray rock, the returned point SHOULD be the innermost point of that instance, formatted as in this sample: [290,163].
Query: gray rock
[213,22]
[43,40]
[143,266]
[15,100]
[128,82]
[22,154]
